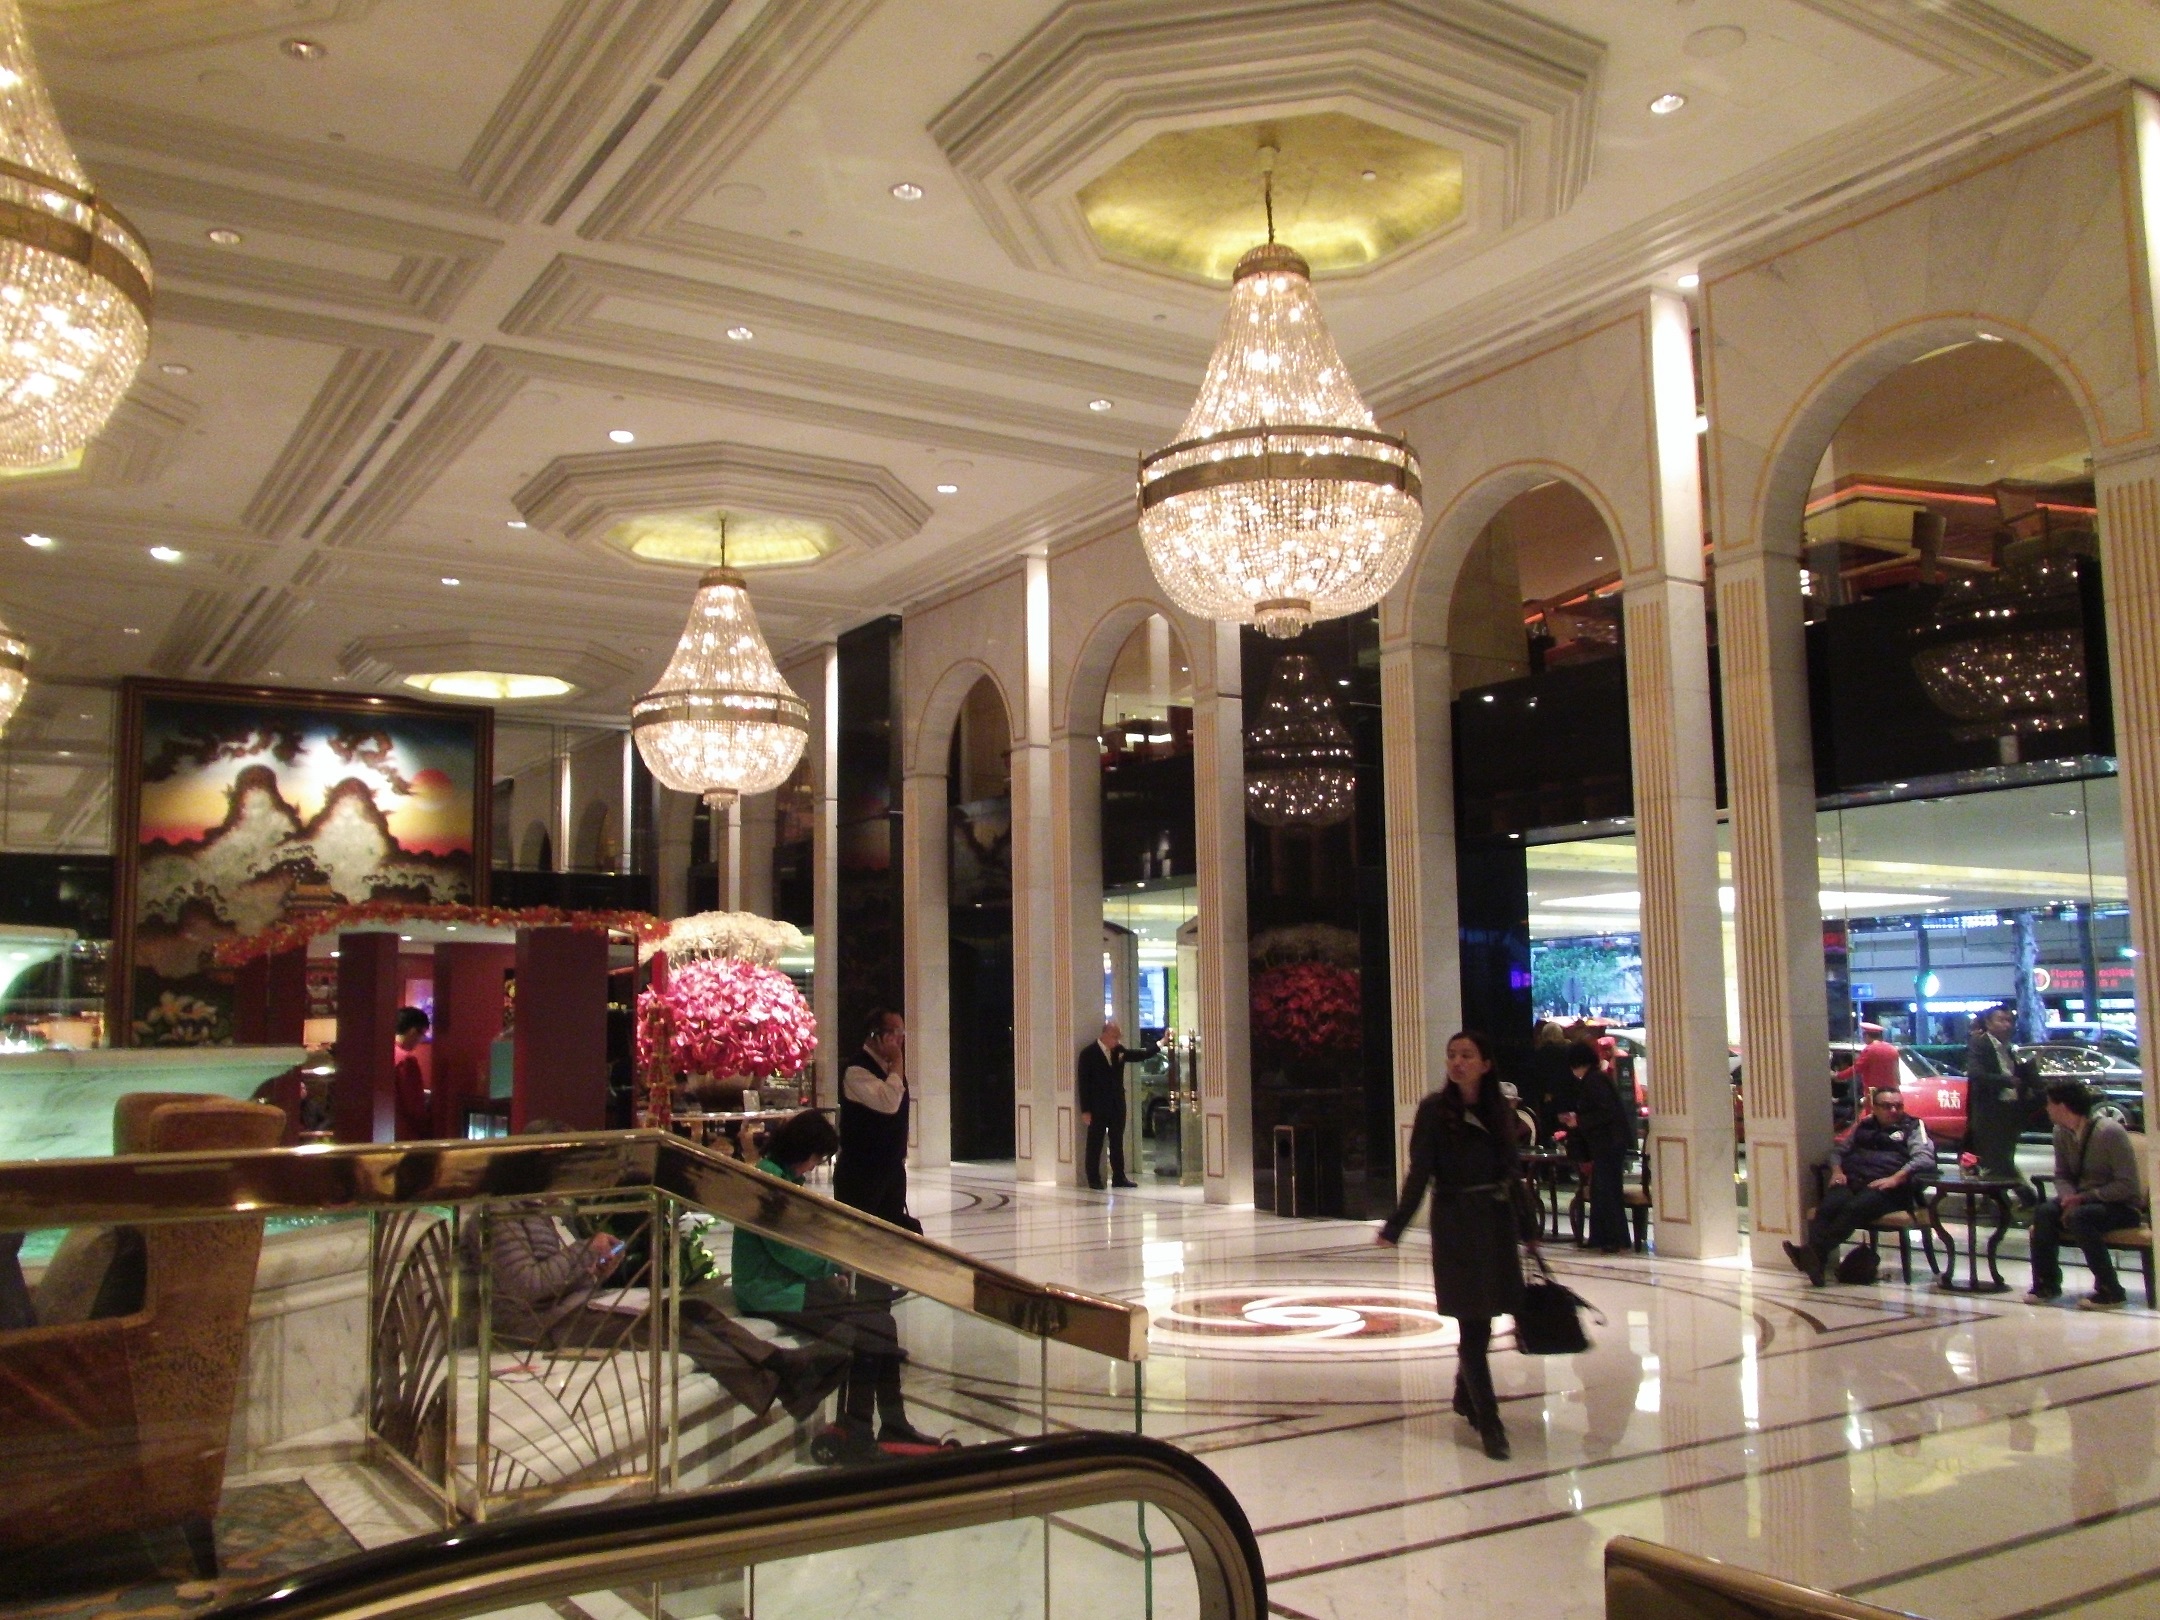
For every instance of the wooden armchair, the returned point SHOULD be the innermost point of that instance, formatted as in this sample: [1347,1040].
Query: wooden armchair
[117,1423]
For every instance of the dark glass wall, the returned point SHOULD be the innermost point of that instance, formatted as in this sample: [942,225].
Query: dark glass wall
[979,851]
[869,949]
[1316,918]
[794,849]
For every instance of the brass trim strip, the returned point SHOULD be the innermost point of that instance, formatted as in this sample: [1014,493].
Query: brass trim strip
[141,1188]
[770,708]
[35,227]
[1280,430]
[1338,469]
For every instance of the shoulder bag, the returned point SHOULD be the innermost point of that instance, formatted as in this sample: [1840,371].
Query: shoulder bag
[1548,1322]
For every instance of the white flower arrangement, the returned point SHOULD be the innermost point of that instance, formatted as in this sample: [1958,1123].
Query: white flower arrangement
[741,935]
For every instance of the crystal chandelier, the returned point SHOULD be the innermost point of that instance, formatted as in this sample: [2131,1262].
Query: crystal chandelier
[74,277]
[721,722]
[14,675]
[1281,502]
[1300,768]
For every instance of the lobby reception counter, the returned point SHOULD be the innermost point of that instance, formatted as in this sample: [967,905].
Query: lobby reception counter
[59,1104]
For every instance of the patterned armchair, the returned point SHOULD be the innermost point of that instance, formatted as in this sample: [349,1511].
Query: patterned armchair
[118,1422]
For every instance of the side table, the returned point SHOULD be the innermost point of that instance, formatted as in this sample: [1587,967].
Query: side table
[1972,1190]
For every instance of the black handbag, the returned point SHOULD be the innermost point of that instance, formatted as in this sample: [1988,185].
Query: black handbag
[1548,1322]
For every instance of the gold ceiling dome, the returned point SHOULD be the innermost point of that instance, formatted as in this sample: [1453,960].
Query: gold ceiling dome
[75,281]
[1281,501]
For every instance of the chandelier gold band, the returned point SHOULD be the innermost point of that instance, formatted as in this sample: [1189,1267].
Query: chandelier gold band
[34,227]
[14,656]
[1338,469]
[749,708]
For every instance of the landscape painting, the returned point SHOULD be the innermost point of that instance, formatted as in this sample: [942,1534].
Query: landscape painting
[242,808]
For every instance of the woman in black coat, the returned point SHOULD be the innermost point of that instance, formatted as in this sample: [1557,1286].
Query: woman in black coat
[1599,1134]
[1463,1145]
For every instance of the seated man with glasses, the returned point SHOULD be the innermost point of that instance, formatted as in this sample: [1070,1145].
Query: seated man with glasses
[2096,1175]
[1878,1166]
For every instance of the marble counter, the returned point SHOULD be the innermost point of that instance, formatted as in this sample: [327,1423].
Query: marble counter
[59,1105]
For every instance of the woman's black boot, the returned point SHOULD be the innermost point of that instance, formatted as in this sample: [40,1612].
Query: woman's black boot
[1494,1434]
[1464,1408]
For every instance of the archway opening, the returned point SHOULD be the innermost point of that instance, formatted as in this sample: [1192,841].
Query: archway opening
[1969,831]
[978,771]
[1151,894]
[1548,895]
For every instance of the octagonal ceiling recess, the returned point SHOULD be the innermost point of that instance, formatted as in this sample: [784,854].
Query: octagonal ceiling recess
[1348,193]
[486,666]
[662,505]
[1068,119]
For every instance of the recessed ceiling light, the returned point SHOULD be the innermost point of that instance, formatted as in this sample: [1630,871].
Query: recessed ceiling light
[452,579]
[948,489]
[1702,423]
[1598,557]
[223,235]
[165,554]
[129,630]
[1101,405]
[1670,102]
[39,542]
[305,50]
[740,334]
[908,191]
[1989,337]
[622,436]
[1689,282]
[275,674]
[173,368]
[515,523]
[1370,174]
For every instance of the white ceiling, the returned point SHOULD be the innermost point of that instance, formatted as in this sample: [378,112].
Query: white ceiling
[480,234]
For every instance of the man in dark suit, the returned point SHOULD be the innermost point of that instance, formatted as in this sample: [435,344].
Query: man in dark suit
[1102,1102]
[1994,1107]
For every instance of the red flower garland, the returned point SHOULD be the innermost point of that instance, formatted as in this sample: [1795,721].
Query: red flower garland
[1308,1006]
[728,1018]
[294,933]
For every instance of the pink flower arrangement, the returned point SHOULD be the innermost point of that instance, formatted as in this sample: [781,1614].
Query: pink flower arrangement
[1308,1006]
[730,1017]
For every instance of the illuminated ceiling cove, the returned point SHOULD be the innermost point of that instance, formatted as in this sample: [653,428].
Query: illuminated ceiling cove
[753,539]
[1348,193]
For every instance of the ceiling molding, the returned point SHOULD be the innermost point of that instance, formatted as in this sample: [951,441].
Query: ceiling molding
[582,497]
[1085,511]
[254,636]
[1515,94]
[562,303]
[137,444]
[109,30]
[1831,172]
[728,109]
[431,267]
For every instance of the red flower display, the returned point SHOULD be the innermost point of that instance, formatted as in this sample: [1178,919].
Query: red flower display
[295,933]
[1308,1006]
[729,1018]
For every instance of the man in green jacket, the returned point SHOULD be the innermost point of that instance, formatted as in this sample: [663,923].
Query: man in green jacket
[801,1291]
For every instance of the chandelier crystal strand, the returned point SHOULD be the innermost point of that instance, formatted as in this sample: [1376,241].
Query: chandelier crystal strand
[721,722]
[1300,766]
[75,278]
[14,674]
[1281,502]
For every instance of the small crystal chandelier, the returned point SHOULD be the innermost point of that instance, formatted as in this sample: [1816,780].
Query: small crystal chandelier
[721,722]
[14,675]
[1300,767]
[74,278]
[1281,502]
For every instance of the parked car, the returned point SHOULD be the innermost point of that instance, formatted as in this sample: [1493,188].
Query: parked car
[2106,1037]
[2121,1084]
[1934,1098]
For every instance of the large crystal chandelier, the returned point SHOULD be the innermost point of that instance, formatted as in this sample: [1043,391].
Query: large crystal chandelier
[721,722]
[14,675]
[74,277]
[1281,502]
[1300,767]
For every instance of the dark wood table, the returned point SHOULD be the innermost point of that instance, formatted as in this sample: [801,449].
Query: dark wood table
[1972,1189]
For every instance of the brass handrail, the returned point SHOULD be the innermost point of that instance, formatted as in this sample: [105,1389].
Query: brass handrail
[1645,1580]
[478,1570]
[138,1188]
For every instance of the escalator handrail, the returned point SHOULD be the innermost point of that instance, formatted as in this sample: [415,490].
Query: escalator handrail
[135,1189]
[476,1569]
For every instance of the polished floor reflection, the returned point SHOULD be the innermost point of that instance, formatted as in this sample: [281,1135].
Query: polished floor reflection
[1949,1456]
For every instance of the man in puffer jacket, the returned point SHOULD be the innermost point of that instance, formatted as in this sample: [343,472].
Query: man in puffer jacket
[1878,1166]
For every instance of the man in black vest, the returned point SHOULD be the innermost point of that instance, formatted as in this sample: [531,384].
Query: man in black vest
[871,1172]
[1102,1102]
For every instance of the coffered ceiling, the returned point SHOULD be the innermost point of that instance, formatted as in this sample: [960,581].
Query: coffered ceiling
[819,258]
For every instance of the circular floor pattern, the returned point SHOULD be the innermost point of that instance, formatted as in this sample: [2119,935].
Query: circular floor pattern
[1300,1320]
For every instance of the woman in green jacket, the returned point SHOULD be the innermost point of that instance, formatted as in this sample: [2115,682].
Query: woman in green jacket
[801,1291]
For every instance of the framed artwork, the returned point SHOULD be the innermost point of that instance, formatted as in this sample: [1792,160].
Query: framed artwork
[242,807]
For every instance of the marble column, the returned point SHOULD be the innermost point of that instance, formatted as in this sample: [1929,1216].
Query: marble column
[1037,898]
[674,817]
[834,1043]
[1424,936]
[1225,994]
[2128,487]
[1077,942]
[760,817]
[927,959]
[729,831]
[1770,781]
[1668,675]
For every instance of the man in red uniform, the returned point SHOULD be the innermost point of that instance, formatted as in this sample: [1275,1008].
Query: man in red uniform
[415,1115]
